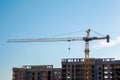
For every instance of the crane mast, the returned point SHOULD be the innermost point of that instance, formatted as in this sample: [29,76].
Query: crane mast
[86,60]
[87,44]
[86,39]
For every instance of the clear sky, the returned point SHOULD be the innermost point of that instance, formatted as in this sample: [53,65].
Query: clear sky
[43,18]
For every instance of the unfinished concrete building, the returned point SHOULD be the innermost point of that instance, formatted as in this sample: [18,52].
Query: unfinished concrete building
[72,69]
[100,69]
[40,72]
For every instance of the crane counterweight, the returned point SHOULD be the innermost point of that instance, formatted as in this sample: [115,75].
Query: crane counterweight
[108,38]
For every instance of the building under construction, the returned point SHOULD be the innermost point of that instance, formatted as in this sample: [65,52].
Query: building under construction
[39,72]
[72,69]
[99,69]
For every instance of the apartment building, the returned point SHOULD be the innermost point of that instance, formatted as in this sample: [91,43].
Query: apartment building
[100,69]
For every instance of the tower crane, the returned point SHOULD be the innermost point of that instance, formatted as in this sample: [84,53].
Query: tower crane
[69,39]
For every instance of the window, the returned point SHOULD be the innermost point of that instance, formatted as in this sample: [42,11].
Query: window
[99,68]
[38,73]
[63,66]
[33,78]
[33,73]
[38,78]
[99,77]
[100,73]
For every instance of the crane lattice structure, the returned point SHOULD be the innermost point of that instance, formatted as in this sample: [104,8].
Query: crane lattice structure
[86,39]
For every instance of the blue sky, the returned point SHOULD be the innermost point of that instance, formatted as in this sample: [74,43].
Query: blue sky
[43,18]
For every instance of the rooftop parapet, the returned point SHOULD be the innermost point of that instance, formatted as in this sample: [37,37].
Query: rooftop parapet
[38,66]
[91,59]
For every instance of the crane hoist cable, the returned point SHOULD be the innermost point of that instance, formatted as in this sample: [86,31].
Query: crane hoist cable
[97,33]
[58,35]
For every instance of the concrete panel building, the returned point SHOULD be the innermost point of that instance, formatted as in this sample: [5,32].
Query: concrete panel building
[100,69]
